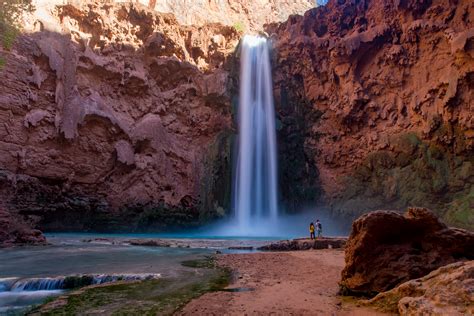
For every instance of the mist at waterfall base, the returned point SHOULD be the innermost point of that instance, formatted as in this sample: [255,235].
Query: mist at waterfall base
[285,226]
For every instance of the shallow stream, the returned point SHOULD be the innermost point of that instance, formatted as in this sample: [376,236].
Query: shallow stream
[29,275]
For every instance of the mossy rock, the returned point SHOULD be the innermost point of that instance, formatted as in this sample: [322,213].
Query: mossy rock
[151,297]
[406,143]
[461,210]
[417,173]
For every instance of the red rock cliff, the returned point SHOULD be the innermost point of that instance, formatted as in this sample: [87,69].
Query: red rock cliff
[376,101]
[114,117]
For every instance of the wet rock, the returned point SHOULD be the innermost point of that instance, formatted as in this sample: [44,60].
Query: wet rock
[306,244]
[107,241]
[149,243]
[15,232]
[386,248]
[241,248]
[445,291]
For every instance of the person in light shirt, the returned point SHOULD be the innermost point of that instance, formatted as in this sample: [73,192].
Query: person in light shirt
[319,228]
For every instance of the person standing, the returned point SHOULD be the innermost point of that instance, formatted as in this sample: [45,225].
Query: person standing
[311,231]
[319,228]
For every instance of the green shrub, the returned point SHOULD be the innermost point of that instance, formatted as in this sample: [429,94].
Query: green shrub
[9,34]
[239,26]
[10,22]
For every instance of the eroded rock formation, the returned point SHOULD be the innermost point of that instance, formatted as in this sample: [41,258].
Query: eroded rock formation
[446,291]
[113,114]
[376,101]
[14,231]
[114,117]
[246,15]
[386,249]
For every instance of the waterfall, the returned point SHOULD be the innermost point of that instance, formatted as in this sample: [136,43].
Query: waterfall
[255,183]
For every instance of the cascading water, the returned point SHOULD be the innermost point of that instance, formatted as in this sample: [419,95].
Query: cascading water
[255,182]
[65,283]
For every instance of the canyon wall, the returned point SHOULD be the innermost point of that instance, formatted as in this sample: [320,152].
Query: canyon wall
[244,15]
[114,117]
[376,104]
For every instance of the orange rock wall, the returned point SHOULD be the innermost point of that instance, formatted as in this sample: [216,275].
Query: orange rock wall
[385,93]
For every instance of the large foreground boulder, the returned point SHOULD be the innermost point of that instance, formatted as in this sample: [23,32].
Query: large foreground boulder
[386,248]
[15,232]
[446,291]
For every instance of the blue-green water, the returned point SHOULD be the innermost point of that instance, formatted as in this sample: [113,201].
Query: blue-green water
[113,254]
[92,258]
[69,255]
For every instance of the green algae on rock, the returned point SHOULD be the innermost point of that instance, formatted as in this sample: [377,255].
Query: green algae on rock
[413,172]
[164,296]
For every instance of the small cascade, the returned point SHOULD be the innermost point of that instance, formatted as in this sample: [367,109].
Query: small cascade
[67,282]
[40,284]
[255,183]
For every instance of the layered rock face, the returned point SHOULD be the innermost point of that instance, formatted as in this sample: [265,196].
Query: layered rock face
[244,15]
[376,101]
[247,15]
[446,291]
[115,117]
[386,249]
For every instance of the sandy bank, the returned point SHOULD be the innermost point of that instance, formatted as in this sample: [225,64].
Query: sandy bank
[290,283]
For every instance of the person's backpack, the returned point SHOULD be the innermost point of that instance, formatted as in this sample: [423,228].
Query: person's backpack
[320,227]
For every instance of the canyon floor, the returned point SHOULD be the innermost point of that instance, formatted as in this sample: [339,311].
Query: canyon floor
[281,283]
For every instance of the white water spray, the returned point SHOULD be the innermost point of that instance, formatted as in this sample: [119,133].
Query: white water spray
[255,184]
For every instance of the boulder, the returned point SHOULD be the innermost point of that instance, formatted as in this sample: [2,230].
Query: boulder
[386,248]
[445,291]
[15,232]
